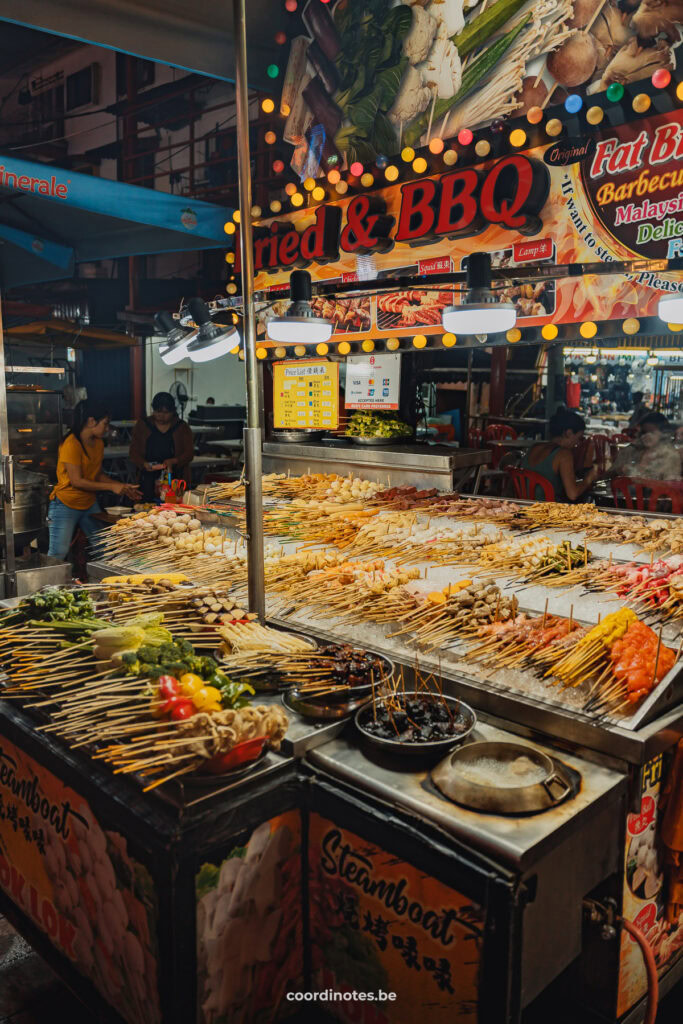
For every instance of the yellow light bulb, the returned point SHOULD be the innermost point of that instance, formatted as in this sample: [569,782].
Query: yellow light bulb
[588,329]
[256,212]
[299,350]
[236,216]
[261,353]
[449,340]
[436,146]
[322,349]
[513,335]
[391,173]
[367,180]
[594,115]
[368,345]
[675,327]
[241,354]
[235,350]
[517,137]
[631,325]
[275,206]
[549,332]
[450,157]
[482,148]
[333,176]
[297,199]
[641,103]
[229,257]
[393,344]
[343,348]
[309,184]
[419,165]
[419,341]
[281,351]
[318,193]
[267,106]
[679,91]
[342,187]
[407,154]
[231,288]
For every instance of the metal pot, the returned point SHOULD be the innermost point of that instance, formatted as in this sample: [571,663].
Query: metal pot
[29,507]
[539,796]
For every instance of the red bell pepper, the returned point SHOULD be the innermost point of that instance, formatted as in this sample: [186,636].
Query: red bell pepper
[244,752]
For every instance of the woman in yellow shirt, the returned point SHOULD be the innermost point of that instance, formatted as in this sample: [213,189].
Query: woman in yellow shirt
[79,477]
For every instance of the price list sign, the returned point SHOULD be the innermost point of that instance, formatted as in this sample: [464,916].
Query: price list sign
[306,395]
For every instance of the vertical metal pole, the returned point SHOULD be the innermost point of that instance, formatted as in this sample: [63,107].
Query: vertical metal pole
[7,477]
[252,432]
[468,400]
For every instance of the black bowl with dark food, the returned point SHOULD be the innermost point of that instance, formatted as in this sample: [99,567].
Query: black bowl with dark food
[419,724]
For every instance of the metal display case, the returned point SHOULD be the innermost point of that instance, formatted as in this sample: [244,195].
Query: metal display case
[34,418]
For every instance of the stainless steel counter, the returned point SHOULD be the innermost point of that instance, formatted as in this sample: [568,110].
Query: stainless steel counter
[519,842]
[420,465]
[559,855]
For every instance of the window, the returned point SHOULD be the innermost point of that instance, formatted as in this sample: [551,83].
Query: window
[81,87]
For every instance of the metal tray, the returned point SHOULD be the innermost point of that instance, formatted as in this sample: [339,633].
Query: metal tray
[401,439]
[297,436]
[463,712]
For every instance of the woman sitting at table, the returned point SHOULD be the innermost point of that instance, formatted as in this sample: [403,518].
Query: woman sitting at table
[73,501]
[652,456]
[554,459]
[159,442]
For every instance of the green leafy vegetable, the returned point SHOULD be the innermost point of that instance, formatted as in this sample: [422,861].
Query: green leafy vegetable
[207,879]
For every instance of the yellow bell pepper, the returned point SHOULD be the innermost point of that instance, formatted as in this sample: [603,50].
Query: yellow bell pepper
[190,684]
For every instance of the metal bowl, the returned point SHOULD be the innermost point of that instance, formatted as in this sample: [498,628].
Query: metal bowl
[465,717]
[539,796]
[329,706]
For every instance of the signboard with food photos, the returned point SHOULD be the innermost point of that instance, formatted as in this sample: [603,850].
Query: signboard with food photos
[617,195]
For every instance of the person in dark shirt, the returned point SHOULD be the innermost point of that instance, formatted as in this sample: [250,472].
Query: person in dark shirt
[161,441]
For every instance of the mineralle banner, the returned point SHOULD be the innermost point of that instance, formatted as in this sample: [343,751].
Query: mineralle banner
[365,78]
[614,196]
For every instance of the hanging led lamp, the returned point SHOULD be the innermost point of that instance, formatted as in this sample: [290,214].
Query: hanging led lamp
[174,346]
[670,309]
[300,324]
[209,340]
[481,312]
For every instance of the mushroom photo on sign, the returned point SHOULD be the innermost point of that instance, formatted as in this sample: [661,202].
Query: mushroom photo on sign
[373,76]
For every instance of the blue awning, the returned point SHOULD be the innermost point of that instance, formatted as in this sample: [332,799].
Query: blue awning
[52,219]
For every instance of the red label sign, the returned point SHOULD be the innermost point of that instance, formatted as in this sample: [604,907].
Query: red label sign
[637,823]
[531,252]
[438,265]
[645,918]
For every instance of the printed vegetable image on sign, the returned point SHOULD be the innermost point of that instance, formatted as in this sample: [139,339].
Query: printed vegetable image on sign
[371,77]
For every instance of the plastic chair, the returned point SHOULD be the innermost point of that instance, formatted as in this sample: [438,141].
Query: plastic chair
[603,449]
[500,432]
[475,437]
[525,482]
[633,493]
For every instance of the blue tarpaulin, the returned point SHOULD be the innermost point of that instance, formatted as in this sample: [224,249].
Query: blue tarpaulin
[51,219]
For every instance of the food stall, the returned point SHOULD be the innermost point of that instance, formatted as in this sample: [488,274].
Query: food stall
[409,885]
[354,797]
